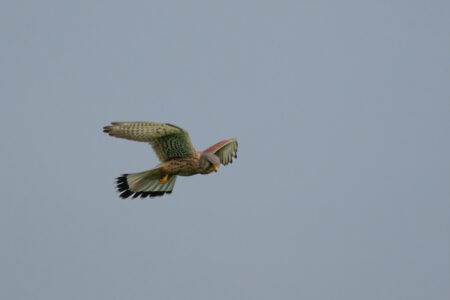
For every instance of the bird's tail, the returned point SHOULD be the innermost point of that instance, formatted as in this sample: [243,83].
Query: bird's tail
[144,184]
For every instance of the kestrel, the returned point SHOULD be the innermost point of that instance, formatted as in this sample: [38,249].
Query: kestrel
[174,149]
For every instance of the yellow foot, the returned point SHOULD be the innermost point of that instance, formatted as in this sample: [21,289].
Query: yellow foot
[164,179]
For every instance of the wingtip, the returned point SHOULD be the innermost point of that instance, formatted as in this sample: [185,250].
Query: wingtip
[109,128]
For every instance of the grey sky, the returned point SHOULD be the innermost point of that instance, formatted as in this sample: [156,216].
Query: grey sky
[341,186]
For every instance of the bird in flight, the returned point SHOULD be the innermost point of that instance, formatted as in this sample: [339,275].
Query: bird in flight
[174,149]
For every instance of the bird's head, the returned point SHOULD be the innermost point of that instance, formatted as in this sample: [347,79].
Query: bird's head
[209,162]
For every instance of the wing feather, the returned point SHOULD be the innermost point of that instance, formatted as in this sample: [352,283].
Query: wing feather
[225,150]
[168,141]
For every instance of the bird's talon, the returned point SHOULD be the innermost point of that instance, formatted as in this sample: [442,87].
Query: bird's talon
[164,179]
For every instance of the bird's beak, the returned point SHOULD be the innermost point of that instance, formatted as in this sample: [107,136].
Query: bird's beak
[216,168]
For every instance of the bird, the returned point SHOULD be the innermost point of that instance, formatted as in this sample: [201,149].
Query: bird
[174,149]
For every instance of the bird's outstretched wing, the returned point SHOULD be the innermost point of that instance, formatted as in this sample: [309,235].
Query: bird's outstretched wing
[225,150]
[168,141]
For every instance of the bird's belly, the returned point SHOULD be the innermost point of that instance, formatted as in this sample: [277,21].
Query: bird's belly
[187,173]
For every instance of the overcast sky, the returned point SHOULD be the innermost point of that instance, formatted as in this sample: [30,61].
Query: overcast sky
[341,189]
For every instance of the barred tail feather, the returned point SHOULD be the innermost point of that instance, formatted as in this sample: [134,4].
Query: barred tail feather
[144,184]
